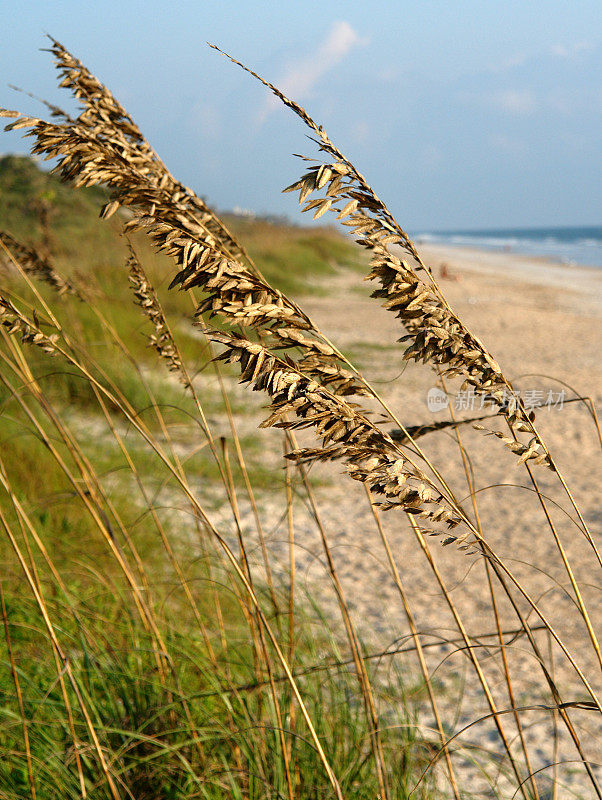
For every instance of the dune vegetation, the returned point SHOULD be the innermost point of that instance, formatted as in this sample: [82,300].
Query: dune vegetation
[170,411]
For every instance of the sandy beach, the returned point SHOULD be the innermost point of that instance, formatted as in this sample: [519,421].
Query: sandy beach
[543,323]
[250,548]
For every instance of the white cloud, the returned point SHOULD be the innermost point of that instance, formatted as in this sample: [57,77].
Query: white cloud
[570,50]
[298,81]
[515,101]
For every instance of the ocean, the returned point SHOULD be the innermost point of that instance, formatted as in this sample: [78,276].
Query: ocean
[570,245]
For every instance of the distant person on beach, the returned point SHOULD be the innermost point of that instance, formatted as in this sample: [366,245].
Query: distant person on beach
[445,274]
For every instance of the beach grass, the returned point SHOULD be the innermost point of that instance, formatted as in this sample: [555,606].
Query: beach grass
[160,639]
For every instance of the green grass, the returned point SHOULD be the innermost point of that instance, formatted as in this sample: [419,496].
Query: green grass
[150,724]
[295,259]
[179,736]
[199,720]
[292,258]
[24,186]
[92,253]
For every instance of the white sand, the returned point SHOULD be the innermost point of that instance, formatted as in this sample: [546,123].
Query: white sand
[538,319]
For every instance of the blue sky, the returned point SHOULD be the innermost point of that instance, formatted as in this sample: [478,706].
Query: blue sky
[461,114]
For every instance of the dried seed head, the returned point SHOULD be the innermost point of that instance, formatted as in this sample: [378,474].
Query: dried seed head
[13,321]
[161,340]
[369,454]
[35,264]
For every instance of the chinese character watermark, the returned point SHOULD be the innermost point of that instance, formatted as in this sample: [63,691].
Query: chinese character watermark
[469,400]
